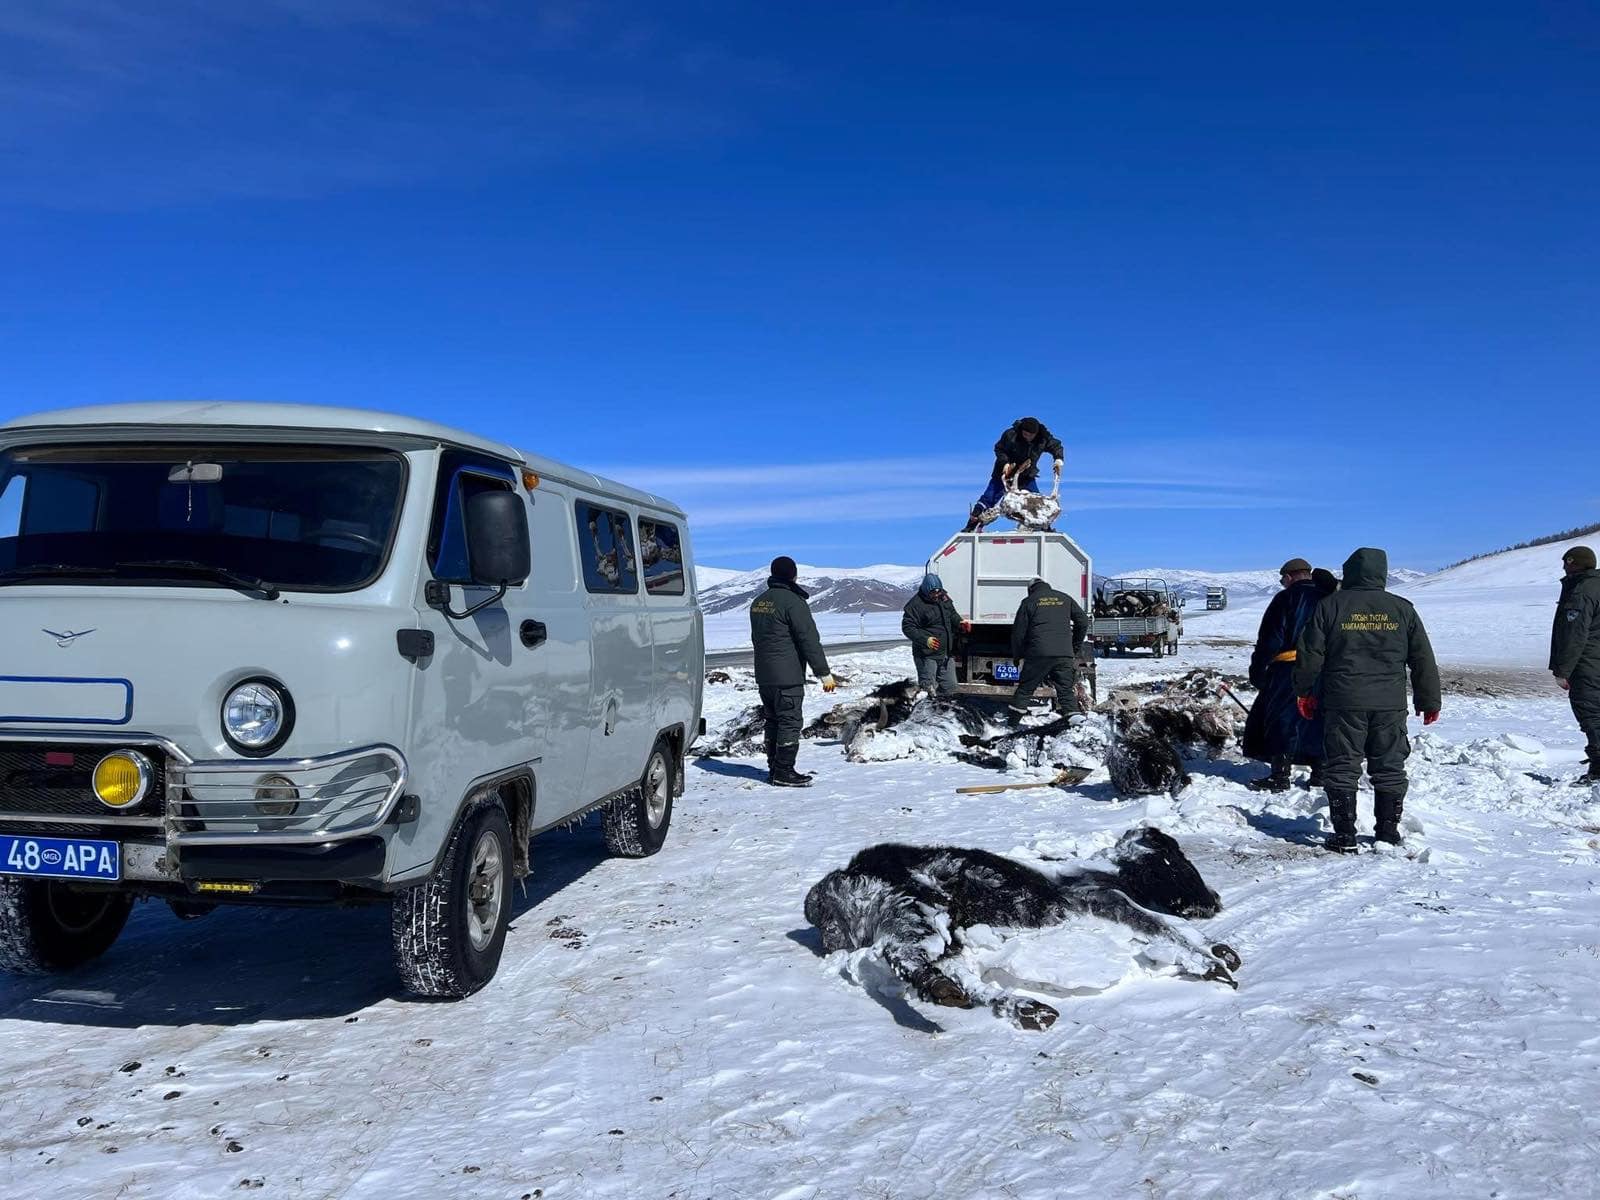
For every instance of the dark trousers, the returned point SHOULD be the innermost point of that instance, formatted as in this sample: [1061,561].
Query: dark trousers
[1379,737]
[1062,674]
[936,674]
[1585,697]
[783,707]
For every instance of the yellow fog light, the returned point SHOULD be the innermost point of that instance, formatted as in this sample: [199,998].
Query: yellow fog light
[122,779]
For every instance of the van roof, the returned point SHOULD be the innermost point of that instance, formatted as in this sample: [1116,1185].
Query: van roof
[256,418]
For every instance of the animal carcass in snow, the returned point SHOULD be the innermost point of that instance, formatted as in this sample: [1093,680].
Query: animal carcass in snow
[911,904]
[1142,760]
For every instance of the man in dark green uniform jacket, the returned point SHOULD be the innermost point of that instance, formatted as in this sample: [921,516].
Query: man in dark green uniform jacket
[931,622]
[785,640]
[1357,648]
[1046,636]
[1575,648]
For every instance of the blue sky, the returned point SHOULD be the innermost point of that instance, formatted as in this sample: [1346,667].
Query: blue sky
[1286,279]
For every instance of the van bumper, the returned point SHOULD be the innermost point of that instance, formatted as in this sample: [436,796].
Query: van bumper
[355,860]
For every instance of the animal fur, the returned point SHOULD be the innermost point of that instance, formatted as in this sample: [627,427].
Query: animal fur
[1142,760]
[912,902]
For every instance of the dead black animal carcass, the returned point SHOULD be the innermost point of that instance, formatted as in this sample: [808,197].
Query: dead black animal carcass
[1142,760]
[912,902]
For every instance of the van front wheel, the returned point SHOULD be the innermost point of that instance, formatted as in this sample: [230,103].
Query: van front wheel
[47,926]
[450,930]
[636,822]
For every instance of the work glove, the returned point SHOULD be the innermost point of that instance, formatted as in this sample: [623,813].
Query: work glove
[1056,467]
[966,625]
[1307,706]
[828,684]
[1565,686]
[1429,718]
[933,643]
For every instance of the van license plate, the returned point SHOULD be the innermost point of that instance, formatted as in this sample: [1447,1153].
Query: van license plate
[1006,673]
[60,858]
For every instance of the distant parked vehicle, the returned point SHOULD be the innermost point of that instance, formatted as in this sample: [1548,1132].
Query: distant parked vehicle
[275,654]
[1216,597]
[1132,614]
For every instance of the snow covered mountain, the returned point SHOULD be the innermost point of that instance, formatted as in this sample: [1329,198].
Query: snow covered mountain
[882,588]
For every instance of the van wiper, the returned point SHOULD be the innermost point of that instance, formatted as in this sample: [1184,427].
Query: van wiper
[188,566]
[49,571]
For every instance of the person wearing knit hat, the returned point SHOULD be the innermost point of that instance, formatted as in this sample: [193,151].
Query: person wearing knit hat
[784,637]
[1575,649]
[1275,733]
[931,622]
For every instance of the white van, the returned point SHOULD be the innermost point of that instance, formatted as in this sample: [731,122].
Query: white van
[261,653]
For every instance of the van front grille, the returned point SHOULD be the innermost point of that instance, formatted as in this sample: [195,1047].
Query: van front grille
[54,779]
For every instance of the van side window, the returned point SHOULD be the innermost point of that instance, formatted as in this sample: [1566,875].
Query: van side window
[661,552]
[460,478]
[605,547]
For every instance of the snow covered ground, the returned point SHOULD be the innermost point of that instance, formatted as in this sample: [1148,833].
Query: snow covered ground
[1405,1026]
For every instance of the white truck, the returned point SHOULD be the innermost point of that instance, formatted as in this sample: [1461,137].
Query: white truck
[1137,613]
[987,576]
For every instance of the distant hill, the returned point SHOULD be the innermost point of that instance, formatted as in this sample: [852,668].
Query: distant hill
[882,588]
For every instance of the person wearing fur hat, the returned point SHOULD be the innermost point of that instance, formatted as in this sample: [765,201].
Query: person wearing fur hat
[784,637]
[1575,649]
[931,622]
[1275,733]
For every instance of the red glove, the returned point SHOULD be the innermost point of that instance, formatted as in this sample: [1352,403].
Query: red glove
[966,626]
[1565,686]
[933,643]
[1429,718]
[1307,706]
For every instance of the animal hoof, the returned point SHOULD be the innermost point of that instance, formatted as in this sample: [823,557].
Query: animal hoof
[1035,1014]
[1219,974]
[1229,956]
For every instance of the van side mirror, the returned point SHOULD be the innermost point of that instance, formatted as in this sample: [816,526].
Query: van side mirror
[497,539]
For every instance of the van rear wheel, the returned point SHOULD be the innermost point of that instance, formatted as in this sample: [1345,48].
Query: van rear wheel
[47,926]
[637,821]
[449,931]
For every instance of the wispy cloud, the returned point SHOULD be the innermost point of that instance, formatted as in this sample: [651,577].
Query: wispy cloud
[1167,475]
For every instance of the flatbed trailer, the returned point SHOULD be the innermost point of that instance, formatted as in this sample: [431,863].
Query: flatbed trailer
[1157,632]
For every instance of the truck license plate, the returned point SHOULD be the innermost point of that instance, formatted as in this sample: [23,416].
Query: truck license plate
[1006,673]
[60,858]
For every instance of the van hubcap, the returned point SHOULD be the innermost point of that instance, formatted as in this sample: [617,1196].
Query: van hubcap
[485,890]
[657,791]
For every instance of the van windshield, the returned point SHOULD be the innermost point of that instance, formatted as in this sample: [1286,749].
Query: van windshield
[286,517]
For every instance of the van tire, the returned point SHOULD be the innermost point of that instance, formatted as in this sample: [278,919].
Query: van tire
[46,926]
[445,944]
[637,821]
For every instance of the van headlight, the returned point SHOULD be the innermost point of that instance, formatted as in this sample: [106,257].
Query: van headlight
[257,716]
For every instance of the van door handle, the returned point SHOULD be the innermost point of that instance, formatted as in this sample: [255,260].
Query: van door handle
[533,634]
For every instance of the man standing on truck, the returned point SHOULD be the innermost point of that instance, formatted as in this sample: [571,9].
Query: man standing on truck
[1275,733]
[785,640]
[1575,649]
[1354,653]
[1016,456]
[1048,633]
[931,622]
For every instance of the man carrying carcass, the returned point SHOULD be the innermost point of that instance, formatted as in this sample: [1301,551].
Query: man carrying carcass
[784,637]
[1016,461]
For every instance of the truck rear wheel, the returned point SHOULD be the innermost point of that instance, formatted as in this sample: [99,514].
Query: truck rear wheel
[637,821]
[47,926]
[449,931]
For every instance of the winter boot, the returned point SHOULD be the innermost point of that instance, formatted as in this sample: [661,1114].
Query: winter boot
[783,773]
[1277,781]
[1387,807]
[1342,812]
[1315,781]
